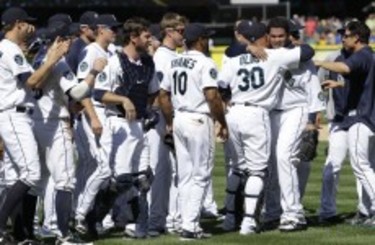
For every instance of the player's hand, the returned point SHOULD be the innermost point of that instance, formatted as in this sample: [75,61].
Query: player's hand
[129,109]
[99,64]
[96,126]
[258,52]
[57,50]
[327,84]
[222,132]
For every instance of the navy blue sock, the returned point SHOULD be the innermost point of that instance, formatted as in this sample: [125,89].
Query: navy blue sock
[63,210]
[14,198]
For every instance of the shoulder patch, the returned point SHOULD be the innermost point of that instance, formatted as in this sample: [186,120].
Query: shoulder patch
[69,75]
[160,76]
[83,66]
[321,96]
[213,73]
[102,77]
[18,59]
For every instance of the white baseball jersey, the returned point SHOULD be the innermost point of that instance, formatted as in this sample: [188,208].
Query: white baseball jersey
[258,82]
[51,101]
[186,78]
[12,64]
[162,58]
[110,79]
[88,56]
[301,88]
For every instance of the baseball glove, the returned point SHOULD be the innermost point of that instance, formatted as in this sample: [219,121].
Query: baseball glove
[308,146]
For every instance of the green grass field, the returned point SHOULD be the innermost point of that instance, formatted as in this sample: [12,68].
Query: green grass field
[338,234]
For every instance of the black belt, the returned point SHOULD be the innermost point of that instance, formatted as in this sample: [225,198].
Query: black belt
[244,104]
[24,109]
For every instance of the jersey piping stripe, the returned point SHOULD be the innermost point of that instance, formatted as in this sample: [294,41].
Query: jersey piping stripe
[66,154]
[357,160]
[295,192]
[20,145]
[99,168]
[267,142]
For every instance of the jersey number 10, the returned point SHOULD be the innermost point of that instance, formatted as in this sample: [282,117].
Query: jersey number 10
[253,78]
[179,82]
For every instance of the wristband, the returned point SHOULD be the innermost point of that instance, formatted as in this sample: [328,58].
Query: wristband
[94,72]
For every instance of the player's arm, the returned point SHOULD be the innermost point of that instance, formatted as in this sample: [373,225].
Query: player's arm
[82,89]
[54,54]
[217,110]
[339,67]
[166,106]
[165,102]
[153,90]
[213,98]
[109,98]
[357,61]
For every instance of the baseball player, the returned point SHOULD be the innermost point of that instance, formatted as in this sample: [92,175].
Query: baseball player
[358,69]
[94,117]
[16,76]
[254,85]
[51,115]
[87,23]
[191,83]
[316,104]
[288,120]
[128,86]
[162,202]
[337,149]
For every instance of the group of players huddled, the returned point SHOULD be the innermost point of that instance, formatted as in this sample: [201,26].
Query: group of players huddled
[113,125]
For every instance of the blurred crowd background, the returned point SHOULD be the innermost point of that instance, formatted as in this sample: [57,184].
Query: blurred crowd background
[321,18]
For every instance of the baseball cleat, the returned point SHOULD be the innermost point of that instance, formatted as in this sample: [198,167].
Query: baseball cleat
[190,236]
[358,219]
[81,226]
[291,226]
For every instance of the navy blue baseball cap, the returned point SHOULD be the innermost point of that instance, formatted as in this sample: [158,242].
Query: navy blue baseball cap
[88,18]
[60,17]
[11,15]
[252,31]
[295,26]
[194,31]
[107,20]
[59,29]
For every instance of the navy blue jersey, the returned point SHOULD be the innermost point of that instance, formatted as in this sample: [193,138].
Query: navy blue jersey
[360,105]
[72,57]
[340,95]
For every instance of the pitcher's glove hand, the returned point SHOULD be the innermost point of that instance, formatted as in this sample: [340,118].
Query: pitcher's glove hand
[308,146]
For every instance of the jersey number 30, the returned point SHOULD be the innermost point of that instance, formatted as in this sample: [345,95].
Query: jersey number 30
[253,78]
[179,82]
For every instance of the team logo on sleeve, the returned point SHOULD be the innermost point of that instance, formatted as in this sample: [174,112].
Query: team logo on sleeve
[83,66]
[321,96]
[69,75]
[18,59]
[213,73]
[102,77]
[160,76]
